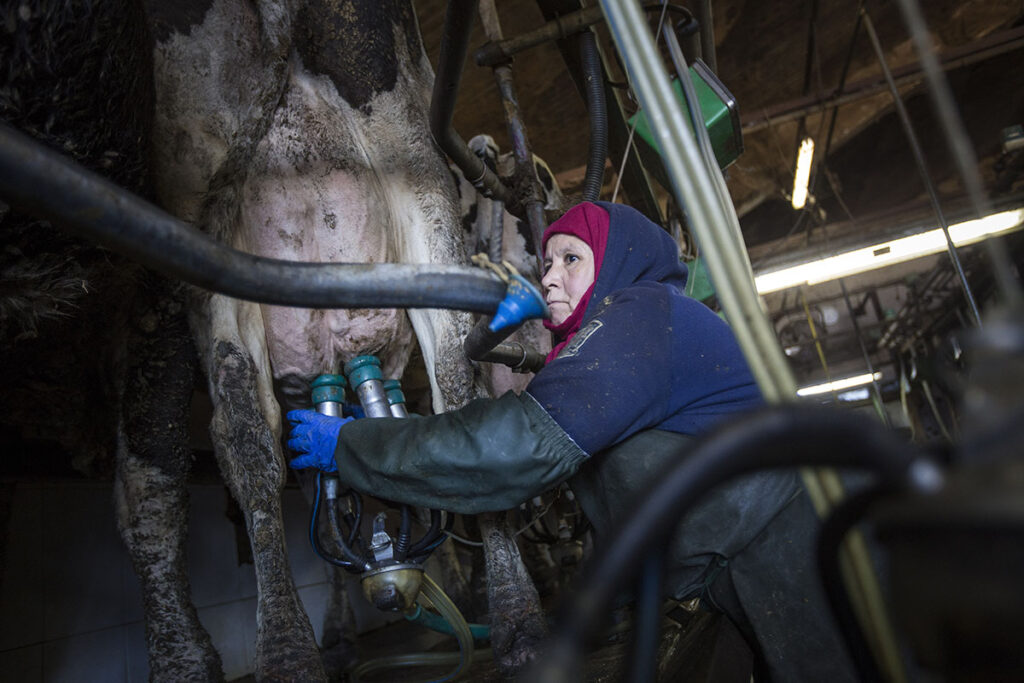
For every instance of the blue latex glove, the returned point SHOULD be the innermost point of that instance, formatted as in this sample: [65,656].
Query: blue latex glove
[314,437]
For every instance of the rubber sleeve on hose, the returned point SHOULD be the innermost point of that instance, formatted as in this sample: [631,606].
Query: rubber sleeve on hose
[594,78]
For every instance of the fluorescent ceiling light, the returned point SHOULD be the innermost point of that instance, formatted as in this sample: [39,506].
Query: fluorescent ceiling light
[858,394]
[839,384]
[803,173]
[888,253]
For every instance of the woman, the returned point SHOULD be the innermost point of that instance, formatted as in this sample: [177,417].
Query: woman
[637,370]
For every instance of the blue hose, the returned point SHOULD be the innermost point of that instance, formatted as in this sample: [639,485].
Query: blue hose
[435,622]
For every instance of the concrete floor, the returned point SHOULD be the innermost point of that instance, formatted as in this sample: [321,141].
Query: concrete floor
[70,605]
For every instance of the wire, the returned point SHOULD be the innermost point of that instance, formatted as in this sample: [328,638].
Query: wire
[632,128]
[480,544]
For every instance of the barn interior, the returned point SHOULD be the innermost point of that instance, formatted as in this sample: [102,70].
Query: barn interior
[929,345]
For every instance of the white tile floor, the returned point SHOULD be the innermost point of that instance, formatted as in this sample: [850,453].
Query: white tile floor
[70,606]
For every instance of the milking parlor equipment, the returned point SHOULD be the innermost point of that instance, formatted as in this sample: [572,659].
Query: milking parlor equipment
[953,531]
[389,564]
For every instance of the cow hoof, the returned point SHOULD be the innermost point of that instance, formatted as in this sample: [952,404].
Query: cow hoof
[338,659]
[520,641]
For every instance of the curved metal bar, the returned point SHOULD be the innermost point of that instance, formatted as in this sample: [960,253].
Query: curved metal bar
[718,232]
[785,436]
[43,182]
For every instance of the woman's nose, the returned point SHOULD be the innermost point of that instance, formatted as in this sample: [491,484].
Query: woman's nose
[548,281]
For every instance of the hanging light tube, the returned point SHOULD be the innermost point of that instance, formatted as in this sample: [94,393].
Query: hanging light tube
[803,173]
[839,384]
[888,253]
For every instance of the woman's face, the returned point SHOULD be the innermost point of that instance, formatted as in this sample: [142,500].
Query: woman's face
[569,272]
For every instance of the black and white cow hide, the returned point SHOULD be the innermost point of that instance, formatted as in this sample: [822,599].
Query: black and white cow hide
[299,131]
[95,351]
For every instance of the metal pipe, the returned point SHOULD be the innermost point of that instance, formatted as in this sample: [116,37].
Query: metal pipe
[922,167]
[525,170]
[498,51]
[960,145]
[864,351]
[458,22]
[496,243]
[707,34]
[694,189]
[972,53]
[718,232]
[40,181]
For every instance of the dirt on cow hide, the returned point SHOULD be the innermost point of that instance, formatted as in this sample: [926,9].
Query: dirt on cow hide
[63,302]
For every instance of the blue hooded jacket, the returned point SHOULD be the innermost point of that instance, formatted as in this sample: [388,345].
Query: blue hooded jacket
[646,355]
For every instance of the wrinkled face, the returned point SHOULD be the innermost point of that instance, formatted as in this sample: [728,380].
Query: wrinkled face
[569,272]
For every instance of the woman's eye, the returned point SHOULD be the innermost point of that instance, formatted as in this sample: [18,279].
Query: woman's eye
[571,258]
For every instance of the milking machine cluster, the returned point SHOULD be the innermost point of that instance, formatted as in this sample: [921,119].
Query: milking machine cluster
[390,566]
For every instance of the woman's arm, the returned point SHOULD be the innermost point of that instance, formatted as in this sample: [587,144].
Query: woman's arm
[490,455]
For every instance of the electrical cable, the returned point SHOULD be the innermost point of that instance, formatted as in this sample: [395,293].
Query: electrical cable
[904,383]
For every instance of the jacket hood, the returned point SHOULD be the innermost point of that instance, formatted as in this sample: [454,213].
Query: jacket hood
[638,250]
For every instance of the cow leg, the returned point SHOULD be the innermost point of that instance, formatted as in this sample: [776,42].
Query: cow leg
[246,435]
[514,605]
[149,488]
[339,639]
[518,628]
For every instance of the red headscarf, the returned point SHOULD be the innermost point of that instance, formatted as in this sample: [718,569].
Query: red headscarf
[590,223]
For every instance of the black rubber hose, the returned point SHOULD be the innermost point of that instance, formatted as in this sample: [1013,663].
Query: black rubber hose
[432,533]
[593,76]
[458,22]
[643,656]
[421,555]
[351,561]
[830,539]
[357,519]
[781,436]
[40,181]
[404,532]
[480,340]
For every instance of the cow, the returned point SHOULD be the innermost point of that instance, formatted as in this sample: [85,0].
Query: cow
[96,351]
[299,131]
[296,130]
